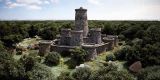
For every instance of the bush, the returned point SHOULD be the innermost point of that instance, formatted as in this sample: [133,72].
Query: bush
[110,57]
[150,73]
[78,56]
[71,64]
[48,33]
[82,73]
[11,40]
[10,68]
[39,72]
[65,76]
[121,54]
[110,73]
[53,58]
[1,46]
[19,53]
[65,53]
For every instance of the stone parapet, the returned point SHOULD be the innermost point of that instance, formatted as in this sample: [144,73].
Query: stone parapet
[61,48]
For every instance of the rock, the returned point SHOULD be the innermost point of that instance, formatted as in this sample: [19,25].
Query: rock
[136,67]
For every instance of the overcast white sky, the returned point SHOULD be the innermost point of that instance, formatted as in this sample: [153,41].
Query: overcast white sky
[64,9]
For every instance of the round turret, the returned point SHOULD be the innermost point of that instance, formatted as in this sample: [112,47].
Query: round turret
[44,47]
[65,36]
[76,38]
[91,49]
[95,35]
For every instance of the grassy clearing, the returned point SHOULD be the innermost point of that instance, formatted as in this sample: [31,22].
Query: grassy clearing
[28,41]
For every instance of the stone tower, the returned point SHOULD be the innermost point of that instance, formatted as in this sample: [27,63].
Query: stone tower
[81,22]
[65,36]
[95,36]
[77,38]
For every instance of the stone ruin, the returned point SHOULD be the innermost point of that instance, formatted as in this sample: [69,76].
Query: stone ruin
[90,40]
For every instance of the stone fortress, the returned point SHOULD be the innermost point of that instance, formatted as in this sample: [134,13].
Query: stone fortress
[90,40]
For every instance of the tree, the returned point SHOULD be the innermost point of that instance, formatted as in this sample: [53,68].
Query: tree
[11,40]
[40,72]
[110,73]
[53,58]
[150,73]
[33,31]
[9,68]
[65,76]
[78,56]
[82,73]
[48,33]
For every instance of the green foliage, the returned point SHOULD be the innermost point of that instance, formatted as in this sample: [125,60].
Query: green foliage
[110,57]
[130,32]
[78,56]
[28,62]
[150,73]
[82,73]
[10,40]
[1,46]
[148,55]
[9,68]
[48,33]
[33,31]
[110,73]
[40,72]
[53,58]
[65,76]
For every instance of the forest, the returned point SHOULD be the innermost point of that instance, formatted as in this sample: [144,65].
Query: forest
[138,41]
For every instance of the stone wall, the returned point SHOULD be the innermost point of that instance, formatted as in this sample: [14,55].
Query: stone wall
[60,48]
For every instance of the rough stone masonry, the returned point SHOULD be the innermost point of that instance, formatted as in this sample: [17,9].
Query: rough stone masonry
[90,40]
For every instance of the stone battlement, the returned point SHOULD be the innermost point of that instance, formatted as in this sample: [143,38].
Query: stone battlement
[81,9]
[93,42]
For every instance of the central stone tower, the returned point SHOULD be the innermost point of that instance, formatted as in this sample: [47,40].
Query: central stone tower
[81,22]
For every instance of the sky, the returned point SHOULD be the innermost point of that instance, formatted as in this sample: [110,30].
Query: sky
[65,9]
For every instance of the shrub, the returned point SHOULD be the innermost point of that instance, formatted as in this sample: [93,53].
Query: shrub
[82,73]
[19,52]
[65,53]
[78,56]
[71,64]
[110,57]
[150,73]
[65,76]
[53,58]
[39,72]
[110,73]
[48,33]
[121,54]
